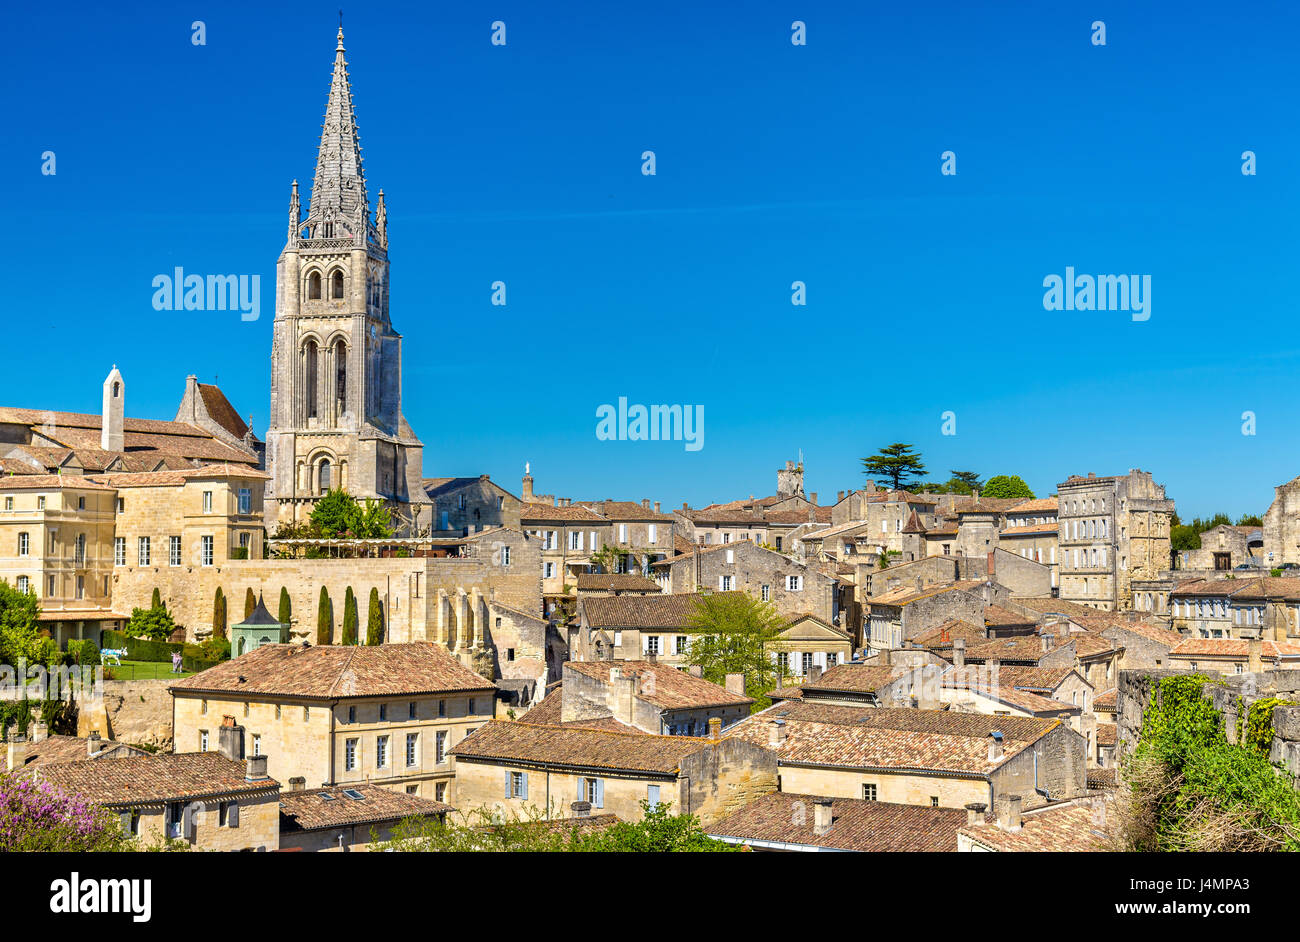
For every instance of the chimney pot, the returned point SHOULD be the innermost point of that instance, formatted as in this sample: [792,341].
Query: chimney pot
[776,732]
[657,507]
[715,727]
[822,816]
[975,812]
[995,746]
[93,744]
[1009,814]
[256,771]
[959,653]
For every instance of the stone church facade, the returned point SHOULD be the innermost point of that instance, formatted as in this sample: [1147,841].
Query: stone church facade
[336,381]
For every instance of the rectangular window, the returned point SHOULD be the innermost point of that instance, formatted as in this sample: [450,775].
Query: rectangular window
[23,584]
[207,550]
[40,503]
[410,710]
[470,711]
[652,796]
[245,500]
[622,532]
[203,740]
[257,745]
[653,537]
[144,551]
[724,583]
[383,712]
[350,755]
[868,792]
[548,570]
[767,593]
[440,747]
[593,790]
[381,752]
[794,583]
[442,707]
[505,556]
[119,551]
[575,539]
[412,748]
[24,542]
[174,550]
[516,785]
[652,644]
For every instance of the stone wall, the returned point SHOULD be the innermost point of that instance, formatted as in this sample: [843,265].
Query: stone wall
[138,712]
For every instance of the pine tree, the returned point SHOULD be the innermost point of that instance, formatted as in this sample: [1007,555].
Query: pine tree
[375,621]
[286,607]
[324,619]
[349,617]
[219,615]
[250,603]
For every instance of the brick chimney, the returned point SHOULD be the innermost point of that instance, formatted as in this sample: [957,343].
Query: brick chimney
[230,739]
[822,816]
[975,812]
[39,731]
[959,653]
[16,754]
[839,496]
[657,507]
[812,497]
[1009,813]
[1255,655]
[93,744]
[715,727]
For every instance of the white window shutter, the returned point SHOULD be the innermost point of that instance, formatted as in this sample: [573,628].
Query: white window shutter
[508,783]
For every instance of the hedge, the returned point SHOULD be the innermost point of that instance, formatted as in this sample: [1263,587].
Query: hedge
[138,649]
[197,664]
[82,651]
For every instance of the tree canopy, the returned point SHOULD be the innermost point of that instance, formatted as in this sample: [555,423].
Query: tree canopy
[338,514]
[895,466]
[731,633]
[20,633]
[152,624]
[1006,486]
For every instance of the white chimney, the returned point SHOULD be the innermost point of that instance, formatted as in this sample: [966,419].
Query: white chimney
[822,817]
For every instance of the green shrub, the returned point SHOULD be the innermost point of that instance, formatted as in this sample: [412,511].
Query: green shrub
[83,652]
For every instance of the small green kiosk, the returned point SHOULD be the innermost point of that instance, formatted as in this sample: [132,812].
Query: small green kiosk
[257,629]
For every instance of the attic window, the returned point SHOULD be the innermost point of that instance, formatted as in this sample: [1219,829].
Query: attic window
[354,794]
[326,796]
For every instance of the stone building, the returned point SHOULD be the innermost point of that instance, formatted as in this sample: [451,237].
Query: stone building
[1225,548]
[793,587]
[1281,529]
[934,758]
[650,697]
[211,800]
[336,362]
[461,506]
[385,715]
[1113,530]
[348,819]
[512,768]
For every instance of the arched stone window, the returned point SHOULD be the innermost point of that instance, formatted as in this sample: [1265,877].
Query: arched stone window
[313,286]
[310,369]
[337,281]
[323,476]
[340,376]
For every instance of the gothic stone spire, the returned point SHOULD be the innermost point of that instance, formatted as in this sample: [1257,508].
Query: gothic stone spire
[338,192]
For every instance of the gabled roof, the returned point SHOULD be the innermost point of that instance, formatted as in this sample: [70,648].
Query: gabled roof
[1068,827]
[221,411]
[577,747]
[307,810]
[642,611]
[615,582]
[856,825]
[142,780]
[662,685]
[548,512]
[337,671]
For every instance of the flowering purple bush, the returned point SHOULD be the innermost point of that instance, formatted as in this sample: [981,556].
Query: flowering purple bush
[35,816]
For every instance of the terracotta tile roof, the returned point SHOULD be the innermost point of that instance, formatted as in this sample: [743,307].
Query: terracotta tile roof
[1208,587]
[625,510]
[1103,778]
[1107,734]
[149,779]
[65,749]
[1053,828]
[221,411]
[1000,617]
[306,810]
[547,512]
[1046,606]
[943,635]
[1027,649]
[1107,701]
[856,825]
[1151,632]
[1230,649]
[1036,679]
[337,671]
[1032,529]
[1025,700]
[661,685]
[576,747]
[46,481]
[905,595]
[641,611]
[1037,505]
[1269,587]
[855,678]
[179,477]
[551,709]
[892,739]
[615,581]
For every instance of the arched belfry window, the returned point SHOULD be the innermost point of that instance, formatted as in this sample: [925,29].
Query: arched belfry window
[323,476]
[338,285]
[341,376]
[313,286]
[311,359]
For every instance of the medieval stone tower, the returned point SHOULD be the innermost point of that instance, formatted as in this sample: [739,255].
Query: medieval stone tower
[336,362]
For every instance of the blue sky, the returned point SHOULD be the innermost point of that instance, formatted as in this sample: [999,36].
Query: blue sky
[775,163]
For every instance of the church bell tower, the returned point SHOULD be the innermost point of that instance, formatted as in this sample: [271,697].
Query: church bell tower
[336,361]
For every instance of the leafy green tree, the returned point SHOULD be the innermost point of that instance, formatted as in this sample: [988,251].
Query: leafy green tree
[20,632]
[349,617]
[608,558]
[286,607]
[152,624]
[730,635]
[1250,520]
[219,614]
[324,618]
[334,515]
[157,601]
[373,521]
[250,603]
[1005,486]
[895,466]
[375,620]
[885,557]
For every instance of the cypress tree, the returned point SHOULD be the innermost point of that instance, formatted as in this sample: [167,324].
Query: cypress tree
[286,607]
[250,603]
[156,602]
[324,619]
[349,617]
[375,621]
[219,615]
